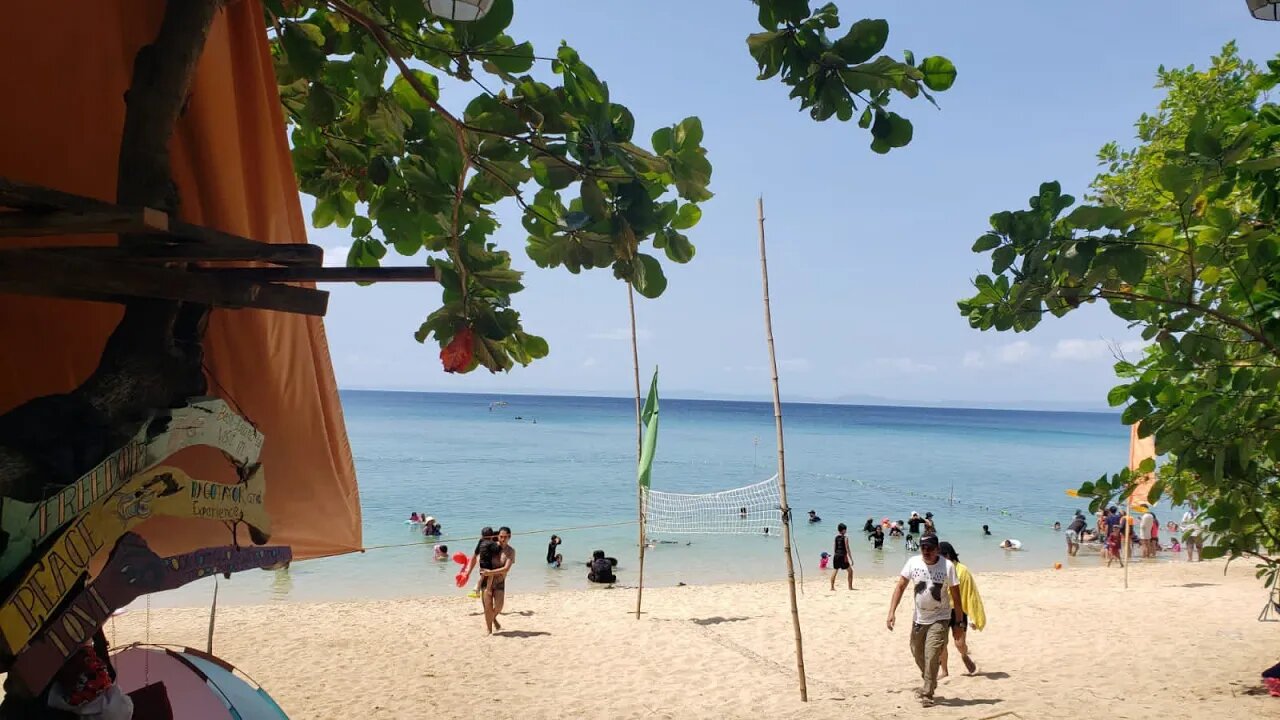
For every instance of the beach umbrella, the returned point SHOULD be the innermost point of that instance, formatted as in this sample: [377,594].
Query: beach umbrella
[199,686]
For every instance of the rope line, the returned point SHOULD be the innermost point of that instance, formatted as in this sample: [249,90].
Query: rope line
[477,537]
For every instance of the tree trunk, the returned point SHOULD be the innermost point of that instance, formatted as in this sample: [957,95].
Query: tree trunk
[153,359]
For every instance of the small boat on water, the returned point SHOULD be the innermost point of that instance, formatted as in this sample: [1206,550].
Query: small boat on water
[497,403]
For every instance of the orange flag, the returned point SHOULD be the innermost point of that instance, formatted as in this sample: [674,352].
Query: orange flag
[1140,449]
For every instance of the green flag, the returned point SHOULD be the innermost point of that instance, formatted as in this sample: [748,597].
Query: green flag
[649,419]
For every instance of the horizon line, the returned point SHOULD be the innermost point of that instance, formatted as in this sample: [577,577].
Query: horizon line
[804,400]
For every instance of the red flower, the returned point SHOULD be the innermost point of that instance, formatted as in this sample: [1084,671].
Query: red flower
[458,354]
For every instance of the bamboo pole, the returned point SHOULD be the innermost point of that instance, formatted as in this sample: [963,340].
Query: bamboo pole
[782,465]
[635,369]
[1128,530]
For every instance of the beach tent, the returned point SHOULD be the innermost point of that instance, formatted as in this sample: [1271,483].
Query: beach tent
[231,163]
[199,686]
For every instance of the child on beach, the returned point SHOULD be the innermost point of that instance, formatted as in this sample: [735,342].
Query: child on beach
[1113,546]
[441,553]
[824,560]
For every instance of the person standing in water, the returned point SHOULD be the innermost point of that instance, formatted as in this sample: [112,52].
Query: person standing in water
[937,604]
[842,557]
[554,557]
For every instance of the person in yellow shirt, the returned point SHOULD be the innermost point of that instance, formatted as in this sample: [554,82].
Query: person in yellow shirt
[974,615]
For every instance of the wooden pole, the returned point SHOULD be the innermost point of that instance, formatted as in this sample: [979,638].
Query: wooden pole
[1128,516]
[782,465]
[635,368]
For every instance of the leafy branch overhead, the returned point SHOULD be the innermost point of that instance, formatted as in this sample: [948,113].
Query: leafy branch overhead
[1182,243]
[840,77]
[360,83]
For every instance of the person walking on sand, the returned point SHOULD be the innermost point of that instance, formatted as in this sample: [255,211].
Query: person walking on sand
[1192,532]
[937,604]
[973,614]
[842,557]
[489,559]
[498,585]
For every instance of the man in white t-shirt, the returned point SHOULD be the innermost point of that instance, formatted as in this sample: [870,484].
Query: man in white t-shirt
[1145,524]
[937,605]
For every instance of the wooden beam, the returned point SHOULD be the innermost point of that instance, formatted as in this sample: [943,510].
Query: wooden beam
[247,251]
[23,196]
[26,223]
[44,212]
[324,274]
[30,272]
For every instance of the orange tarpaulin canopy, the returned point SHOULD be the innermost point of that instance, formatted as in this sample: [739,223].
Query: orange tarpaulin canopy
[1139,450]
[68,67]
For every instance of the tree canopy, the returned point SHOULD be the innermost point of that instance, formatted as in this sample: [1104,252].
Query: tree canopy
[360,83]
[1180,239]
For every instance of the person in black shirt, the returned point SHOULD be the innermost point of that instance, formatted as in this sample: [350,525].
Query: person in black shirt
[868,526]
[553,555]
[842,558]
[813,516]
[601,568]
[913,525]
[486,534]
[877,537]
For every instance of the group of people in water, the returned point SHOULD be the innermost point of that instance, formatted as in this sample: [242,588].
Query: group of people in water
[1144,534]
[425,523]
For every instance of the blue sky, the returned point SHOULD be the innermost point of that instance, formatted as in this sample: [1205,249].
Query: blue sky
[868,253]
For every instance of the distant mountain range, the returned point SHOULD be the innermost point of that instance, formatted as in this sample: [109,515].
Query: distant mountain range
[848,399]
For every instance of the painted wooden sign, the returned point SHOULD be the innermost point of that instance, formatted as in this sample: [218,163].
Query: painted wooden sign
[161,490]
[132,570]
[203,422]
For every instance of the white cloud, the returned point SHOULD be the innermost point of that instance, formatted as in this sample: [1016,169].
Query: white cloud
[589,362]
[336,256]
[1012,353]
[905,365]
[795,365]
[1078,349]
[1016,352]
[622,333]
[1081,350]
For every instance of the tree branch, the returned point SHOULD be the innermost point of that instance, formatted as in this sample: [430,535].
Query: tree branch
[1217,315]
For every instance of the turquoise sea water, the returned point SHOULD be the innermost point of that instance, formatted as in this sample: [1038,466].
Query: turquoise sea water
[542,464]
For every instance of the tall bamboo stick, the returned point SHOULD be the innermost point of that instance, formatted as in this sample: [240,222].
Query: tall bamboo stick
[635,368]
[782,465]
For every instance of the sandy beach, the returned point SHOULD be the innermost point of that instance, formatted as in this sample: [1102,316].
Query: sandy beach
[727,651]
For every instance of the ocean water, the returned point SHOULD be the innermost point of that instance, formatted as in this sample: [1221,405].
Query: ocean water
[567,465]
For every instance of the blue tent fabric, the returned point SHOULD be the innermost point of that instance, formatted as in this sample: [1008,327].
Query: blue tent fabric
[245,701]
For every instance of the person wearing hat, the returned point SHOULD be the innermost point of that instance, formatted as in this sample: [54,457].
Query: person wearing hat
[972,612]
[913,524]
[936,589]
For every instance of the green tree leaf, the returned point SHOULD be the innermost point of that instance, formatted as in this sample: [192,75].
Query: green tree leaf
[939,73]
[687,216]
[649,280]
[864,39]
